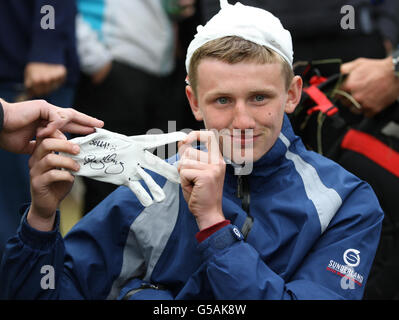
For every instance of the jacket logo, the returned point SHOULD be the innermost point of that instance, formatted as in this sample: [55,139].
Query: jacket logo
[352,257]
[347,271]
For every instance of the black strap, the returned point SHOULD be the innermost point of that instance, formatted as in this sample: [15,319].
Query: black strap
[243,193]
[247,226]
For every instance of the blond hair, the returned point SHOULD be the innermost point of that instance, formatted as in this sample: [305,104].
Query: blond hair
[233,50]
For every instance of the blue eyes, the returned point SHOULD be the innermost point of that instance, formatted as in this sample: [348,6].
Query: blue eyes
[259,98]
[222,100]
[255,98]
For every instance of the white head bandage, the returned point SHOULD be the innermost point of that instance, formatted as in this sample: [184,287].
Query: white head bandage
[250,23]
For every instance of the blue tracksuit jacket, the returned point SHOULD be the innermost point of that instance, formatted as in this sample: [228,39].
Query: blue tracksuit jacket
[314,235]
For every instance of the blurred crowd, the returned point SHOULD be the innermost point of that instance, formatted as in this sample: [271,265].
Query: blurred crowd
[123,62]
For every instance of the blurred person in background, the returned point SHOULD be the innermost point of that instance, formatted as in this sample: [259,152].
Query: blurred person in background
[316,26]
[38,60]
[127,51]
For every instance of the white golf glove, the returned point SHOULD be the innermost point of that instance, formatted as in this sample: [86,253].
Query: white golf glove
[115,158]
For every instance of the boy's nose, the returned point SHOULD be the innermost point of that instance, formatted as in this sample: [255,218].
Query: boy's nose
[242,117]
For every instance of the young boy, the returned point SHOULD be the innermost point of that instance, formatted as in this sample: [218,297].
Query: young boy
[297,226]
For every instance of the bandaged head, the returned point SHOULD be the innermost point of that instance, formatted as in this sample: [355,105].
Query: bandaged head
[250,23]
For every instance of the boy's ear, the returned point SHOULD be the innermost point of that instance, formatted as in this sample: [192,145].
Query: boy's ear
[192,99]
[294,94]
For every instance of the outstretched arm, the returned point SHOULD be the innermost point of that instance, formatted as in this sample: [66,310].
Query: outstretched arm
[21,121]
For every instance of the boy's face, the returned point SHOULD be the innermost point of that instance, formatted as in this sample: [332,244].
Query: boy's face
[246,98]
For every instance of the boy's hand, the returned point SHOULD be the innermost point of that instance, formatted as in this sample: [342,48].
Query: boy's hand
[49,184]
[202,178]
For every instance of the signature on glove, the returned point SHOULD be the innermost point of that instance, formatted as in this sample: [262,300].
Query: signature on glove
[115,158]
[114,167]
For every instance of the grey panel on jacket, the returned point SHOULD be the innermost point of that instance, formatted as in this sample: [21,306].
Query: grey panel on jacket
[147,238]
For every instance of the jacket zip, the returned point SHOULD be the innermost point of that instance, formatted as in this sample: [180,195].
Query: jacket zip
[243,193]
[143,286]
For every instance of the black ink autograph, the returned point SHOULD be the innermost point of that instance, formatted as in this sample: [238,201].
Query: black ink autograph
[108,163]
[102,144]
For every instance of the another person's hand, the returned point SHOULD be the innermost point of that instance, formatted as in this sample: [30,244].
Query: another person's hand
[21,120]
[49,184]
[43,78]
[202,177]
[372,83]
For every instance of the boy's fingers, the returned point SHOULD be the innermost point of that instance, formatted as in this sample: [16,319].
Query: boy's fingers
[191,164]
[54,176]
[52,161]
[55,145]
[211,144]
